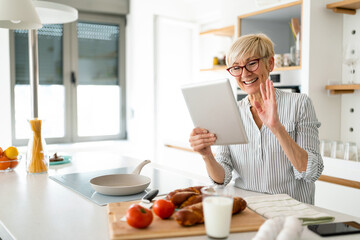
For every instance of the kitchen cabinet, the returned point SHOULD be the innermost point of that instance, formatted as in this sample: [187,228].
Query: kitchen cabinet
[337,198]
[345,86]
[338,188]
[346,6]
[275,23]
[214,43]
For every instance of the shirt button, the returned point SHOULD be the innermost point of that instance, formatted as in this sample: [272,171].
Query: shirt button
[259,145]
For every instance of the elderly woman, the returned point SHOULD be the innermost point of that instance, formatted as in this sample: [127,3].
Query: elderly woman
[282,155]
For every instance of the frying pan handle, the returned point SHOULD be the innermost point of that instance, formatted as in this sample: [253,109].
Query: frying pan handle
[137,170]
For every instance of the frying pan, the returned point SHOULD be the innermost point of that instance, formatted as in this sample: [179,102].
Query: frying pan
[122,184]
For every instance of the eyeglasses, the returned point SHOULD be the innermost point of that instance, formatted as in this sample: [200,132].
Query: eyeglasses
[250,66]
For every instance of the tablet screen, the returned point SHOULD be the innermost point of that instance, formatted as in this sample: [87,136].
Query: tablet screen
[212,106]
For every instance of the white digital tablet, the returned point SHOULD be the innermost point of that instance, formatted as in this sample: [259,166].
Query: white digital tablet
[212,106]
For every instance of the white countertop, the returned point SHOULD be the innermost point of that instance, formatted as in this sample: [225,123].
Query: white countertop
[36,207]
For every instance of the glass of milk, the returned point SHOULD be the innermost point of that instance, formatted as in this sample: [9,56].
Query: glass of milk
[217,208]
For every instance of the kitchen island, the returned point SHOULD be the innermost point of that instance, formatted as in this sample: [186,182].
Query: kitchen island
[36,207]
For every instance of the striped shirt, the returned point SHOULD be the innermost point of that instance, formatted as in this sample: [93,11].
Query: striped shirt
[261,165]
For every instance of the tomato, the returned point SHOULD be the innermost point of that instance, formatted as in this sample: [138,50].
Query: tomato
[163,208]
[138,216]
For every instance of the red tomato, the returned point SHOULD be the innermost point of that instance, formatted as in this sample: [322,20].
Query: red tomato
[163,208]
[138,216]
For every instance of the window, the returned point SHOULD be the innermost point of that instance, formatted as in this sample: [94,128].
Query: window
[81,77]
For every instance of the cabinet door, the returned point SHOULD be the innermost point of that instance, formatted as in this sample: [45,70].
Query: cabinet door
[337,198]
[275,23]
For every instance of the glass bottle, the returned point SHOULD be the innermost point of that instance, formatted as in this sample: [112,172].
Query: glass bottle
[36,159]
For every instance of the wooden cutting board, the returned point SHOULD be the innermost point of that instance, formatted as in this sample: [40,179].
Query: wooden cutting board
[245,221]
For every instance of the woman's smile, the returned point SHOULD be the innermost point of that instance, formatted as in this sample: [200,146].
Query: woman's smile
[248,82]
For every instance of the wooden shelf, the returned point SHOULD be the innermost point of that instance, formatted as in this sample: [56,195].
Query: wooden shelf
[271,9]
[287,68]
[224,67]
[225,31]
[342,88]
[180,148]
[340,181]
[346,6]
[215,68]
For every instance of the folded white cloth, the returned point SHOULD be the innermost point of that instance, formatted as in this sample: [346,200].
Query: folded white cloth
[282,205]
[280,228]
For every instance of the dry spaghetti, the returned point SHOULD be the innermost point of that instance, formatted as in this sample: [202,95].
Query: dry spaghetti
[37,162]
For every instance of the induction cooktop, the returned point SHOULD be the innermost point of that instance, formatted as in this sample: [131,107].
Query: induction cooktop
[163,180]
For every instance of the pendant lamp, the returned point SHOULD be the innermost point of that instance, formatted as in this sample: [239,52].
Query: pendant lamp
[55,13]
[18,14]
[49,13]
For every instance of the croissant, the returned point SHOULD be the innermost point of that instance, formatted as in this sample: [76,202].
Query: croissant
[196,189]
[193,214]
[185,197]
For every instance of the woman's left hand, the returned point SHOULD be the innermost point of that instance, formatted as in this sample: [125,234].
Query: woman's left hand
[268,111]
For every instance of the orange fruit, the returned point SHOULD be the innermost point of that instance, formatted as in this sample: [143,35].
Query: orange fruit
[14,163]
[4,165]
[11,152]
[1,151]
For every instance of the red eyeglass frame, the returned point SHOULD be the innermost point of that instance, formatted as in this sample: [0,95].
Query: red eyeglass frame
[242,67]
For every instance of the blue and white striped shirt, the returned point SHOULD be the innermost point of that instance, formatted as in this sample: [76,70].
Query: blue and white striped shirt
[261,165]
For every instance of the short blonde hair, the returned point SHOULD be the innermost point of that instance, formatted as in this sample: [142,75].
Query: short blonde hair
[250,45]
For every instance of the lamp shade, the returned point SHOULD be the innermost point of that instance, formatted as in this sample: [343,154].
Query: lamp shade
[18,14]
[55,13]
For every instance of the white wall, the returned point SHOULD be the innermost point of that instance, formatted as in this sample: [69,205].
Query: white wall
[321,63]
[351,119]
[140,52]
[5,120]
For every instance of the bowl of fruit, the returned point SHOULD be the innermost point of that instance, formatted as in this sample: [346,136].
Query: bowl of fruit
[9,159]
